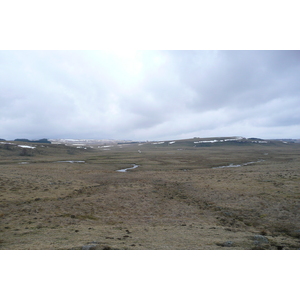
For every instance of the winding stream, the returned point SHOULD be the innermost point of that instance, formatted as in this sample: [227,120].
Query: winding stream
[71,161]
[236,166]
[125,170]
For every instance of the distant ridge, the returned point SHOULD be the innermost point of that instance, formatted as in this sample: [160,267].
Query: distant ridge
[87,142]
[44,141]
[218,141]
[288,140]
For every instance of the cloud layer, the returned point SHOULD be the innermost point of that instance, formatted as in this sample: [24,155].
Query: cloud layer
[149,95]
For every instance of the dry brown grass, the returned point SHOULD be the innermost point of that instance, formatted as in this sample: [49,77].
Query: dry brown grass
[174,200]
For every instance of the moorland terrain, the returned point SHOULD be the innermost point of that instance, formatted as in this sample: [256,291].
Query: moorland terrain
[217,193]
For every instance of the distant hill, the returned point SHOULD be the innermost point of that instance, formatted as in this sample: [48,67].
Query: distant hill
[90,142]
[288,140]
[219,141]
[44,141]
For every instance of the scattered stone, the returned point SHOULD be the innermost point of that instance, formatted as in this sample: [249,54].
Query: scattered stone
[88,247]
[227,213]
[228,244]
[260,239]
[261,242]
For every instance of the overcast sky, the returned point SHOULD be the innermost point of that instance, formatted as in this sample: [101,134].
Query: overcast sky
[149,95]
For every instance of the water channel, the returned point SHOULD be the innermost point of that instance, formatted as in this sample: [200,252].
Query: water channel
[236,166]
[125,170]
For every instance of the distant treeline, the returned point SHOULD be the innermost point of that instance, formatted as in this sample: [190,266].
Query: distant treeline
[44,141]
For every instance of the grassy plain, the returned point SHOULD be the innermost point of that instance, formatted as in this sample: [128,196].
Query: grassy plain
[177,198]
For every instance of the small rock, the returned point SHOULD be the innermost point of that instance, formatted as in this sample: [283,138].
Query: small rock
[228,244]
[227,213]
[88,247]
[260,239]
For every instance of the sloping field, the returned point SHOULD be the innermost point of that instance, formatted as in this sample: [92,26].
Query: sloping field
[183,195]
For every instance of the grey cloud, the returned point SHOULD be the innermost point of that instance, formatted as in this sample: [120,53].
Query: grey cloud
[240,78]
[148,94]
